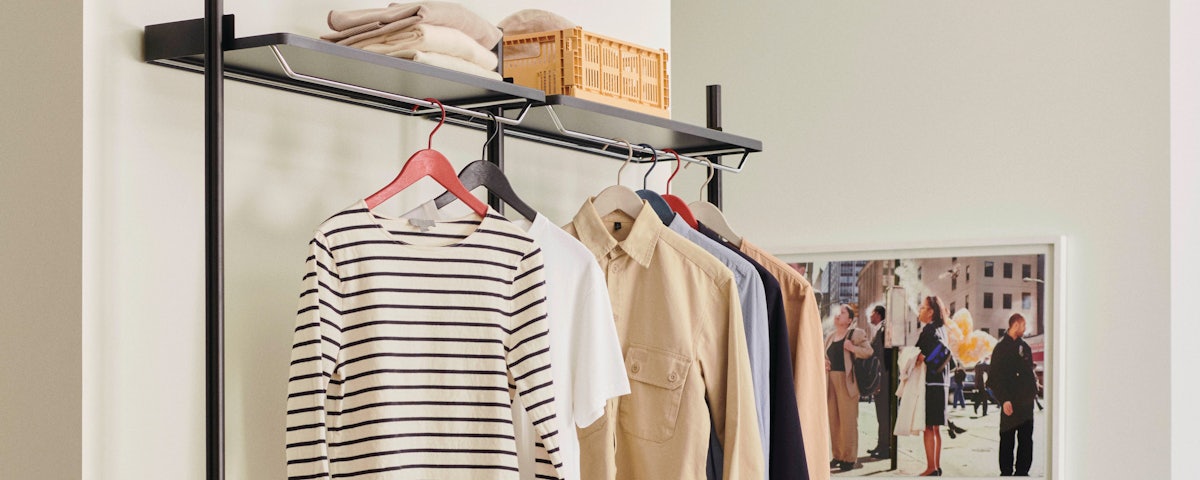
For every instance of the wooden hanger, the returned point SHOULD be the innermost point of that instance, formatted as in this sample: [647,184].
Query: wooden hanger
[429,163]
[710,215]
[618,197]
[660,206]
[677,204]
[481,173]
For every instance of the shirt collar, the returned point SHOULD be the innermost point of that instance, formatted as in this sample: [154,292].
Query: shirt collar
[639,245]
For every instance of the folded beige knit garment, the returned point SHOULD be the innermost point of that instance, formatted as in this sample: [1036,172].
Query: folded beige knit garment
[345,19]
[445,61]
[382,30]
[446,14]
[350,32]
[530,21]
[434,39]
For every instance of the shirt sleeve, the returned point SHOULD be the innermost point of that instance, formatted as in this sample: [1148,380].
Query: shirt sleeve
[725,367]
[528,353]
[754,318]
[599,359]
[315,347]
[808,370]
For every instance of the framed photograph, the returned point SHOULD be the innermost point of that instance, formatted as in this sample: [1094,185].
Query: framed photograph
[964,374]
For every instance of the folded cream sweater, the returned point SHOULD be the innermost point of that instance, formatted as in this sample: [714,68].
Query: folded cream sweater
[432,39]
[354,26]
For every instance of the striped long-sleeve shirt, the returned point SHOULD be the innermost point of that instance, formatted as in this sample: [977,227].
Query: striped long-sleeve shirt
[410,347]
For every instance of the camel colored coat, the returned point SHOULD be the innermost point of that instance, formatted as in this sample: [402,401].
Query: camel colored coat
[861,346]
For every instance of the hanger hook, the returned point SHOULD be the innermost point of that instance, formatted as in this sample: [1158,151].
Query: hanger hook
[711,172]
[440,122]
[628,158]
[678,163]
[495,133]
[653,152]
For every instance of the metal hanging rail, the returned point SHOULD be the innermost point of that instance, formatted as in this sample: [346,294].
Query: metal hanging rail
[563,130]
[287,69]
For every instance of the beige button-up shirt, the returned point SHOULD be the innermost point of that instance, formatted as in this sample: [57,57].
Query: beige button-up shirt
[679,321]
[808,358]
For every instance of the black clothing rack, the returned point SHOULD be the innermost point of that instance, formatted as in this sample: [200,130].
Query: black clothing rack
[317,68]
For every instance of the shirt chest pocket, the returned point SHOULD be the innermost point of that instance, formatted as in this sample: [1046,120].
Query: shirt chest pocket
[656,379]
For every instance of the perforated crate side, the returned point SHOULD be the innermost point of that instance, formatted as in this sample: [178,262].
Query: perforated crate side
[594,67]
[542,69]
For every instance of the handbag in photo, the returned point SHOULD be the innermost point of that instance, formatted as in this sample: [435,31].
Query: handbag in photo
[938,356]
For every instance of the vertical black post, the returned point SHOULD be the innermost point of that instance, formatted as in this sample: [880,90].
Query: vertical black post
[495,131]
[1040,280]
[495,154]
[214,238]
[893,405]
[713,102]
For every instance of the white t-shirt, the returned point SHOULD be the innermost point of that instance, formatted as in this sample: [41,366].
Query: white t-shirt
[589,367]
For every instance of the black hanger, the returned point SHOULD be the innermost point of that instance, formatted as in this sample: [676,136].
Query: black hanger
[656,201]
[482,173]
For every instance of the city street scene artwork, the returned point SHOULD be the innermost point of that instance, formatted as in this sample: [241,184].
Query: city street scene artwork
[936,366]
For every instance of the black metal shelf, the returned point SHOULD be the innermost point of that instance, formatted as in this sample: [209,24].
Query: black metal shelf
[318,68]
[252,60]
[587,118]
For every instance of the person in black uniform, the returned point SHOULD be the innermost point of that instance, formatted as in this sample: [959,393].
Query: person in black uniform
[933,315]
[1015,386]
[883,396]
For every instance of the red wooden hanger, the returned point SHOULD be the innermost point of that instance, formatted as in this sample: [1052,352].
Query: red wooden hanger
[677,204]
[429,163]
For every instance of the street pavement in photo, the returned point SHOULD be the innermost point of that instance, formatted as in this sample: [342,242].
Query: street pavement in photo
[973,454]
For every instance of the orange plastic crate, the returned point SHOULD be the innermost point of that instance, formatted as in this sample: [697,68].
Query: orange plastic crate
[592,67]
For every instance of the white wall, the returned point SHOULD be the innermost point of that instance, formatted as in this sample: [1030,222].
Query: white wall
[41,138]
[895,122]
[290,162]
[1185,235]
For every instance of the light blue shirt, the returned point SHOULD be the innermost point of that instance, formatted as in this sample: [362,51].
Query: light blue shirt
[754,317]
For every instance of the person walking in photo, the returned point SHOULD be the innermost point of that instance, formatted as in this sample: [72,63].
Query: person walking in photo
[960,377]
[934,348]
[883,396]
[842,388]
[1014,384]
[981,389]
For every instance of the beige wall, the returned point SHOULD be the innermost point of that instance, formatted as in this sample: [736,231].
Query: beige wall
[41,139]
[895,122]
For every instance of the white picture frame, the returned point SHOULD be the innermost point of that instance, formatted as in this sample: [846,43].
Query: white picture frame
[1053,302]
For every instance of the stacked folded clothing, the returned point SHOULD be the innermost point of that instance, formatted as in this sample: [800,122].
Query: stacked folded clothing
[443,34]
[530,21]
